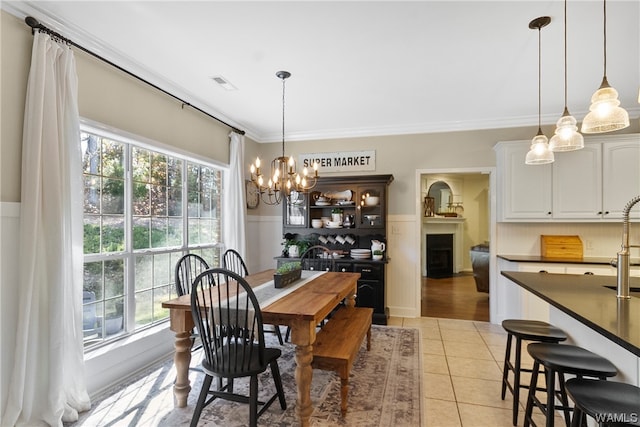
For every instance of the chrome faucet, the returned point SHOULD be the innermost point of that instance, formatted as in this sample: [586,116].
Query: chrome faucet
[623,265]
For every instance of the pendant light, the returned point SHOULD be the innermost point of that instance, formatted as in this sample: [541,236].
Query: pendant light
[539,154]
[605,114]
[567,137]
[284,180]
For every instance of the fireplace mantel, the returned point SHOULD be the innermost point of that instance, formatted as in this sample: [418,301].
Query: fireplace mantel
[445,225]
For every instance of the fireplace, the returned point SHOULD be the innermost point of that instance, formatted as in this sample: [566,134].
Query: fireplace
[439,254]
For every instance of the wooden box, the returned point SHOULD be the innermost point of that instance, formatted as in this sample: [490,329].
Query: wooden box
[569,247]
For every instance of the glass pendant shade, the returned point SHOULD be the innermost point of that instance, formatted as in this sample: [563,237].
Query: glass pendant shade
[605,114]
[539,154]
[567,137]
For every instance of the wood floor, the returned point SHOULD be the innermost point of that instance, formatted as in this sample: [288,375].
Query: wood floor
[454,298]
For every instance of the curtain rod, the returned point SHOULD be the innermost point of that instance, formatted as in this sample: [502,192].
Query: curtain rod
[36,25]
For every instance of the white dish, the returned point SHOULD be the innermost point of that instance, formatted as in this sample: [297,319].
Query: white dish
[371,200]
[360,251]
[339,195]
[346,202]
[333,226]
[323,203]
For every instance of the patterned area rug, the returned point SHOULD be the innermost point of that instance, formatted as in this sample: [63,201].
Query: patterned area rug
[384,389]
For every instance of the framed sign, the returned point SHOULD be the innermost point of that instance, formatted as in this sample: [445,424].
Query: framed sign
[342,161]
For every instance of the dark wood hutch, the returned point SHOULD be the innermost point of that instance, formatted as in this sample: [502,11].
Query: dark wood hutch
[368,223]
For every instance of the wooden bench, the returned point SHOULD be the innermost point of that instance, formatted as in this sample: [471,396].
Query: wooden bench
[338,343]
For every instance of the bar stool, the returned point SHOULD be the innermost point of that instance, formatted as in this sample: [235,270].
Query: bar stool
[531,330]
[608,402]
[561,359]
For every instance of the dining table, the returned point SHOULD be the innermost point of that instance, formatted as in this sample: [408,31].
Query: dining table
[301,308]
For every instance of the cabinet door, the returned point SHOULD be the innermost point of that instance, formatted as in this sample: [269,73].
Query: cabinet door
[577,184]
[371,212]
[370,294]
[621,176]
[295,210]
[524,190]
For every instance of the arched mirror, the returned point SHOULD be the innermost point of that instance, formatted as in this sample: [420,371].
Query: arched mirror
[442,195]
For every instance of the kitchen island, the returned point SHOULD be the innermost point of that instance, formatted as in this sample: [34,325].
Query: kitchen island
[591,314]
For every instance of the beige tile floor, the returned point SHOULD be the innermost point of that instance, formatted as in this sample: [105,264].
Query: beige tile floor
[462,373]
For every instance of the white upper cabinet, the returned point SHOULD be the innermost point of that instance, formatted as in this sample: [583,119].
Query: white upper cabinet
[523,190]
[592,184]
[577,183]
[621,176]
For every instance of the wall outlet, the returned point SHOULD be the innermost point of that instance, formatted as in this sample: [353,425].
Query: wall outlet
[395,229]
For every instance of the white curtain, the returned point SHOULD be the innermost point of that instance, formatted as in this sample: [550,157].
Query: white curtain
[48,385]
[235,214]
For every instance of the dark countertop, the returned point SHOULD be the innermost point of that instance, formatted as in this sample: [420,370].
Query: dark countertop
[585,298]
[584,260]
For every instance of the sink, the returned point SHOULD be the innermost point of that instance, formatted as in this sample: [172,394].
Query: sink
[634,291]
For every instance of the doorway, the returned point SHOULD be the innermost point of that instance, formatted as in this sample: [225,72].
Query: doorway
[471,207]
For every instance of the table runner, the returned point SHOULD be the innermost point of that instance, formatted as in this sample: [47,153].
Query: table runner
[267,293]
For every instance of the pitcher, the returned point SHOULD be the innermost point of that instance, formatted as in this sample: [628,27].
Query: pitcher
[377,246]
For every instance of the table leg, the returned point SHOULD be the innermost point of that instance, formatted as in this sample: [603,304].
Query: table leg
[350,300]
[182,359]
[303,334]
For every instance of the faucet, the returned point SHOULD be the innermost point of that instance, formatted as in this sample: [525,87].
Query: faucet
[623,256]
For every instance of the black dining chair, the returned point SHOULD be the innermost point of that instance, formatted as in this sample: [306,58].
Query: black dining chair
[232,260]
[187,269]
[228,316]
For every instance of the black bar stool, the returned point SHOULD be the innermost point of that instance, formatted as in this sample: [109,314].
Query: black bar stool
[561,359]
[531,330]
[608,402]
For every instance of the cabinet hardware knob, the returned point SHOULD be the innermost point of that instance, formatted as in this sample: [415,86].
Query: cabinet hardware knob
[543,271]
[589,273]
[606,212]
[549,213]
[600,213]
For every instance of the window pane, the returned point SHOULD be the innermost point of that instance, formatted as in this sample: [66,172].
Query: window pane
[112,233]
[92,234]
[113,278]
[141,233]
[112,196]
[144,308]
[140,164]
[159,232]
[114,316]
[143,272]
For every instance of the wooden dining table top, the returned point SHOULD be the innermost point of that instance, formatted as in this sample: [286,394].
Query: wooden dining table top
[311,302]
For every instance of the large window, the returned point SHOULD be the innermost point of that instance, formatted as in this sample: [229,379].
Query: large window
[143,209]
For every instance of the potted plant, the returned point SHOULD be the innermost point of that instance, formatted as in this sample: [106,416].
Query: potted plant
[377,255]
[286,274]
[301,245]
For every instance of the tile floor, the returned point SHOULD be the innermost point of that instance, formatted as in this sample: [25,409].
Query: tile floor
[462,372]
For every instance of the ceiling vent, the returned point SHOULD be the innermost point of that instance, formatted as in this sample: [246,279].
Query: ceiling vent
[224,83]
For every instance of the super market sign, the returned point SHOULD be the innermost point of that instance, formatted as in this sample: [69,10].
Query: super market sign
[343,161]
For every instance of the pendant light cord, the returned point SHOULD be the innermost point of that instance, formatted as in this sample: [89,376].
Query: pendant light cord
[539,74]
[604,13]
[565,55]
[283,116]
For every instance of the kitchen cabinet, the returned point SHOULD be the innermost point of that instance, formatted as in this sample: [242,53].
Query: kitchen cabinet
[621,176]
[361,199]
[592,184]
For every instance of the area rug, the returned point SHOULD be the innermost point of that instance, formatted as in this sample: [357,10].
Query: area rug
[384,389]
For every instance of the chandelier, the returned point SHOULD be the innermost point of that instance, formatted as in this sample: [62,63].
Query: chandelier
[284,179]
